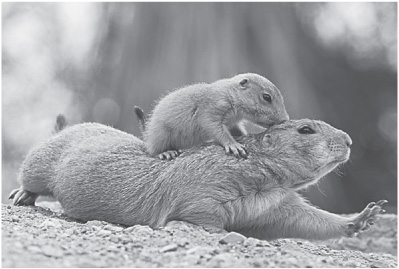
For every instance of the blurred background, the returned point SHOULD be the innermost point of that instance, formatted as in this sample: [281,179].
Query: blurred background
[335,62]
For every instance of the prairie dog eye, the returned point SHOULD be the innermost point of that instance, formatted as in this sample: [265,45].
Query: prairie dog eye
[267,97]
[244,82]
[306,130]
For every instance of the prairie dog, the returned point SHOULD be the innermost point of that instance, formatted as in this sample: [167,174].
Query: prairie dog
[100,173]
[201,112]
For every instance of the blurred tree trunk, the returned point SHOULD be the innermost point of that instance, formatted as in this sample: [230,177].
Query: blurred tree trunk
[151,48]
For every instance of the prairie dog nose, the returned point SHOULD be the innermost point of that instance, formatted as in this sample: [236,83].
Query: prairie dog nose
[347,139]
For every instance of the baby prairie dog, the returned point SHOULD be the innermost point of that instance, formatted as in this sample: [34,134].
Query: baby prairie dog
[100,173]
[201,112]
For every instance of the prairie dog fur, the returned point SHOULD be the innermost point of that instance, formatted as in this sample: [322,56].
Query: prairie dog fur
[202,112]
[100,173]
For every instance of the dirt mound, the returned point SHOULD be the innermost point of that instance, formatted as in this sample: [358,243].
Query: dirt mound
[39,237]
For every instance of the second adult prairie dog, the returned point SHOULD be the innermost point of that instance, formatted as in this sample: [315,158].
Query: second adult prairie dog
[99,173]
[201,112]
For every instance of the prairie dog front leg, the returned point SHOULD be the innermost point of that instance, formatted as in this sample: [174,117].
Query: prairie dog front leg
[220,133]
[296,218]
[238,130]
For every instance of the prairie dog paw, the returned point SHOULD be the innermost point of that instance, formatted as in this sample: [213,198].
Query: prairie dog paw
[237,149]
[169,155]
[23,197]
[365,219]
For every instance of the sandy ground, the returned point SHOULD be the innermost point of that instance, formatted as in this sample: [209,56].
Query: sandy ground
[40,237]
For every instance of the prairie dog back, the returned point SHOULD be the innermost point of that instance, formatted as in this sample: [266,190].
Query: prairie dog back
[201,112]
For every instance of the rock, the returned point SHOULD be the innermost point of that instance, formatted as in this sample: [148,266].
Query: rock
[68,232]
[18,245]
[200,250]
[140,230]
[181,242]
[104,233]
[178,225]
[95,223]
[52,251]
[256,242]
[169,248]
[126,239]
[113,228]
[113,249]
[114,238]
[128,229]
[232,237]
[34,249]
[14,219]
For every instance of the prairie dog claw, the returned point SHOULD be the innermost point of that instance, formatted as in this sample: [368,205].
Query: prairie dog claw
[365,219]
[237,150]
[12,194]
[169,155]
[22,197]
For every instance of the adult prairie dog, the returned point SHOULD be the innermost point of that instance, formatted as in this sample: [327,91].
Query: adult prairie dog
[100,173]
[202,112]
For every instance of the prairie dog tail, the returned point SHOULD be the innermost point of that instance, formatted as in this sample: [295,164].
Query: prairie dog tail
[60,124]
[141,117]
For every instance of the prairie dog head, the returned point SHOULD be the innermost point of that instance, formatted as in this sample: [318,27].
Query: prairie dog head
[308,149]
[259,100]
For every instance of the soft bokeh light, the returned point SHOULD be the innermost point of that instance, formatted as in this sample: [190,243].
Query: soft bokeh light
[78,22]
[362,30]
[36,46]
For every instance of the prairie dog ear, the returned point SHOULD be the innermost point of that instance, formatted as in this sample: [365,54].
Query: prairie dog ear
[267,139]
[244,83]
[264,138]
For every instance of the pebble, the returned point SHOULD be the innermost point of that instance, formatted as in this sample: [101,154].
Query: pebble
[95,223]
[291,260]
[113,228]
[14,219]
[207,256]
[113,249]
[169,248]
[114,238]
[142,229]
[126,240]
[256,242]
[182,242]
[52,251]
[18,245]
[34,249]
[178,225]
[232,237]
[104,233]
[68,232]
[129,229]
[200,250]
